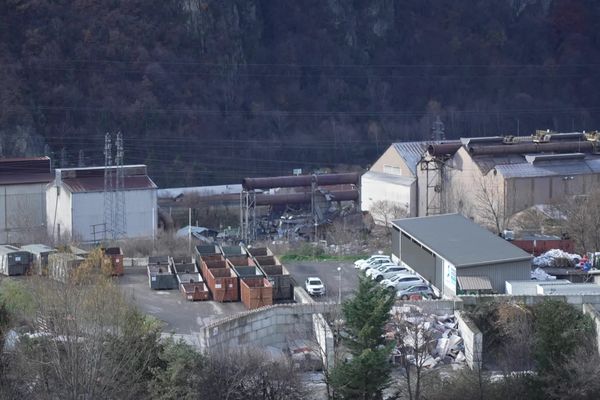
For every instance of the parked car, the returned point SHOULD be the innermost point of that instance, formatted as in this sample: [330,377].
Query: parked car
[405,281]
[374,263]
[358,263]
[421,289]
[387,272]
[374,269]
[314,286]
[392,281]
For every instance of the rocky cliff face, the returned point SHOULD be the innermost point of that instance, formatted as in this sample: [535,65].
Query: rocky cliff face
[209,90]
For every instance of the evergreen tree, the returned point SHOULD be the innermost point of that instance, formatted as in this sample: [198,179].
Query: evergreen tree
[368,372]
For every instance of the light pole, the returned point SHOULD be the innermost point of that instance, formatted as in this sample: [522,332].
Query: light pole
[339,285]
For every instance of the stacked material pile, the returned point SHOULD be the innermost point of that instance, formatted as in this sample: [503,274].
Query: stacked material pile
[556,258]
[426,339]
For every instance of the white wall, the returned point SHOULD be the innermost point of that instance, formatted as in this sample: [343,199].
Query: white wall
[373,190]
[22,211]
[449,285]
[58,213]
[140,207]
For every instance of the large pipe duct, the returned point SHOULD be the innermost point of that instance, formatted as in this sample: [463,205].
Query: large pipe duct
[302,198]
[300,181]
[443,149]
[524,148]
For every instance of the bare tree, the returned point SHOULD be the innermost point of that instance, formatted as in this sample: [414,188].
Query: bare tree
[413,343]
[87,343]
[385,211]
[489,205]
[581,220]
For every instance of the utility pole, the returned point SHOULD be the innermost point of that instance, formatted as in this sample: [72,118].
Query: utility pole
[120,214]
[81,159]
[108,187]
[437,129]
[190,230]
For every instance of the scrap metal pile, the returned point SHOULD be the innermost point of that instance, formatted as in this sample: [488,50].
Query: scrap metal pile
[556,258]
[426,340]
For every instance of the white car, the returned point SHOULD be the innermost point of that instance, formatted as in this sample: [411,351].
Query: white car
[314,286]
[402,282]
[388,272]
[374,263]
[358,263]
[374,269]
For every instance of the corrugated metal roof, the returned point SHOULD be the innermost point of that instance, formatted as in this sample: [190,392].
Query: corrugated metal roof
[474,282]
[389,178]
[96,184]
[14,171]
[411,152]
[526,170]
[460,241]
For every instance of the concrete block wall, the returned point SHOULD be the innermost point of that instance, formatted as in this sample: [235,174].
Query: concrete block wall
[324,339]
[266,326]
[472,339]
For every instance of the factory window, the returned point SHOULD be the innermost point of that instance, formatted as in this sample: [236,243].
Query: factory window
[390,169]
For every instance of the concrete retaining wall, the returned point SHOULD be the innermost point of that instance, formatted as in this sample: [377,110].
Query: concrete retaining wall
[267,326]
[472,339]
[324,339]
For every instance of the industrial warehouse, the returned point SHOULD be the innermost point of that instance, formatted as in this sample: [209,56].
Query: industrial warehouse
[236,281]
[439,177]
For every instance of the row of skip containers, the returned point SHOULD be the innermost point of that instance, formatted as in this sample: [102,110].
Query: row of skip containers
[165,273]
[255,276]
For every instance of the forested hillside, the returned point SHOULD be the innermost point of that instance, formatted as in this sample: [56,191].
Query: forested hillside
[209,91]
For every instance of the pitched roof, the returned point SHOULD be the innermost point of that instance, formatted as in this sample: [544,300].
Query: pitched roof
[550,168]
[411,152]
[460,241]
[91,179]
[96,184]
[15,171]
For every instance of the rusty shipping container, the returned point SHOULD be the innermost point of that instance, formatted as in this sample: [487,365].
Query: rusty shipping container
[275,272]
[192,286]
[194,291]
[256,292]
[115,255]
[223,284]
[241,261]
[214,261]
[541,245]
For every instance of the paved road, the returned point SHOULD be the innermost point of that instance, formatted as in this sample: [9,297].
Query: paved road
[327,271]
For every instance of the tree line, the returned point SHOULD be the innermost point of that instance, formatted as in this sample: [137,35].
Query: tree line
[207,91]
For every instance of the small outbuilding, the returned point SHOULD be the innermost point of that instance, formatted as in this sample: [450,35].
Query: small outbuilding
[443,248]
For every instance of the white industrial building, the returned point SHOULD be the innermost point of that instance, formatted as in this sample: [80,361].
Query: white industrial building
[23,198]
[75,204]
[392,179]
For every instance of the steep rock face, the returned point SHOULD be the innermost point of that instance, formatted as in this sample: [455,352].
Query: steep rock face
[208,90]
